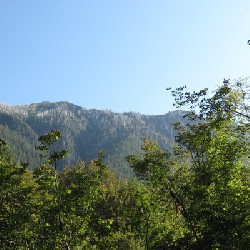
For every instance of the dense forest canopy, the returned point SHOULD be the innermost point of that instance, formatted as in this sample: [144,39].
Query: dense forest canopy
[195,196]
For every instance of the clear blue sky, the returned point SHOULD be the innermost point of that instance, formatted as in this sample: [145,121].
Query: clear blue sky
[119,55]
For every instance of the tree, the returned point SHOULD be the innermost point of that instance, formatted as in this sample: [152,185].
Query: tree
[206,179]
[218,147]
[49,216]
[163,178]
[15,206]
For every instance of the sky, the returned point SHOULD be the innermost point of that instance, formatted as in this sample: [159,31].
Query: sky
[119,55]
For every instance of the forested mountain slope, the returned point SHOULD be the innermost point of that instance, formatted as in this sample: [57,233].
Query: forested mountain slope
[85,132]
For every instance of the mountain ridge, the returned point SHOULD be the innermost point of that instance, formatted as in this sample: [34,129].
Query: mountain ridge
[85,131]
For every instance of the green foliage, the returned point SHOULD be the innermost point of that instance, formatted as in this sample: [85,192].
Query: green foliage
[15,186]
[83,207]
[217,196]
[195,197]
[46,142]
[206,179]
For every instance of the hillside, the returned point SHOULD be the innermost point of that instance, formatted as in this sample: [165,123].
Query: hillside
[85,131]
